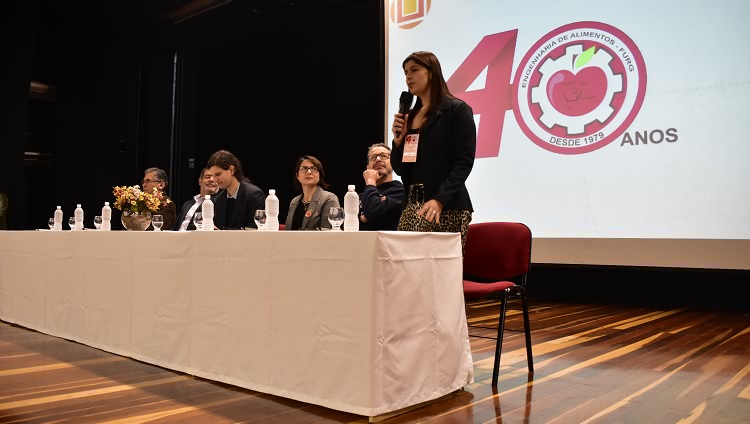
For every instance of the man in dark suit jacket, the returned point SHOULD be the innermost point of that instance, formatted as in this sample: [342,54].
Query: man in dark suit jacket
[208,186]
[235,205]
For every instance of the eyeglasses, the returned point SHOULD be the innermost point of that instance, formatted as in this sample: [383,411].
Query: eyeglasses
[381,156]
[306,169]
[146,181]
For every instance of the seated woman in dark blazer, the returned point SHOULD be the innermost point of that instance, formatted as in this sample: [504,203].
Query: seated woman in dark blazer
[309,210]
[236,203]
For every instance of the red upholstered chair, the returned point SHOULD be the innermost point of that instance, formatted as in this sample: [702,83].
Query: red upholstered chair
[497,258]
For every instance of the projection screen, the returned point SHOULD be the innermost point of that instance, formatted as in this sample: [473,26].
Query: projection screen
[617,133]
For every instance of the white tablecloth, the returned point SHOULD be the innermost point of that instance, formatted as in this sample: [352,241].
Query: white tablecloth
[363,322]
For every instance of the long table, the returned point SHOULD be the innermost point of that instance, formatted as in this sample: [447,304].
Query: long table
[362,322]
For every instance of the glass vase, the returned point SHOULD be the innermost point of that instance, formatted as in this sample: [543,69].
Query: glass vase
[135,221]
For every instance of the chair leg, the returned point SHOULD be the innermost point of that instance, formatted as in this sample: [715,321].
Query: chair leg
[527,330]
[499,344]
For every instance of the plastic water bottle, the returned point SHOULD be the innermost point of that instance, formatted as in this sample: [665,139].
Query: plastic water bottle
[208,214]
[351,209]
[106,217]
[78,217]
[272,211]
[58,219]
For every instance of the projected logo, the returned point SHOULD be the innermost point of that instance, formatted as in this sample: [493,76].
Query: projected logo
[579,87]
[409,13]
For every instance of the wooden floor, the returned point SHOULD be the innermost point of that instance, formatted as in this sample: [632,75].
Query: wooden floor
[593,363]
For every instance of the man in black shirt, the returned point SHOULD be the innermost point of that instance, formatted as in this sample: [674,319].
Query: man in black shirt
[380,202]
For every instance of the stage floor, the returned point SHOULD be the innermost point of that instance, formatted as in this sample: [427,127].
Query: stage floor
[594,363]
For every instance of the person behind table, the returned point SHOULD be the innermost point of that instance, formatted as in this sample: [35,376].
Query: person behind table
[235,205]
[309,210]
[206,186]
[440,129]
[156,178]
[3,211]
[380,202]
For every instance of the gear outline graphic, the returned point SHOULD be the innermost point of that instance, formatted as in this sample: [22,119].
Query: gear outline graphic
[575,124]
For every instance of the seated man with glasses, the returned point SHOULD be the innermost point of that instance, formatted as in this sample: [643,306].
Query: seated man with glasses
[157,178]
[380,203]
[309,210]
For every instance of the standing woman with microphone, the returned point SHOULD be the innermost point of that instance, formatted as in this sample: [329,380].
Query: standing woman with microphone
[434,146]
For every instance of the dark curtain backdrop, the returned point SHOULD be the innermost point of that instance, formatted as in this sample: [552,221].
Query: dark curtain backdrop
[272,85]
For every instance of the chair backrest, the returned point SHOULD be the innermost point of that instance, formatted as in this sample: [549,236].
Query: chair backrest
[497,251]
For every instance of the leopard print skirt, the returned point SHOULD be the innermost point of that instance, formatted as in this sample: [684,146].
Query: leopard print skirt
[451,220]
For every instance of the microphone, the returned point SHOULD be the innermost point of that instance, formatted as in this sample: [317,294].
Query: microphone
[404,103]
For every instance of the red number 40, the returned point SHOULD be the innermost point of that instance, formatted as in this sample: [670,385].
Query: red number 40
[494,52]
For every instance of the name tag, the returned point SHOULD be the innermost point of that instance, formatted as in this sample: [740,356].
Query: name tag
[411,142]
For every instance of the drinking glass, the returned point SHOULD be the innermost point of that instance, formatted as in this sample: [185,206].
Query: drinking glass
[98,222]
[157,221]
[51,223]
[198,220]
[72,222]
[260,219]
[336,218]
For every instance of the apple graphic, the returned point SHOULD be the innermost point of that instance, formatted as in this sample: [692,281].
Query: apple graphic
[576,94]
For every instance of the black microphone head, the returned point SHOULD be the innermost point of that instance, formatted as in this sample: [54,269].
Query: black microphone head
[404,102]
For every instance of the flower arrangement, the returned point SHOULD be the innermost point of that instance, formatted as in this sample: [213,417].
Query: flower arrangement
[138,201]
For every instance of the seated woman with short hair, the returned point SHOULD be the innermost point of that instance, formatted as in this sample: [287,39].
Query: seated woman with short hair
[309,210]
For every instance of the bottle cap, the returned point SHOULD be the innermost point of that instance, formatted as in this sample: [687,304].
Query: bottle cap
[351,187]
[78,205]
[271,191]
[59,207]
[207,197]
[106,203]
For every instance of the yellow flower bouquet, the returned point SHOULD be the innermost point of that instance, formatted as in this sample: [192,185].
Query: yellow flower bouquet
[134,199]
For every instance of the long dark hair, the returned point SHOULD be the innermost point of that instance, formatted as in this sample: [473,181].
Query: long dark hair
[438,86]
[224,159]
[316,163]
